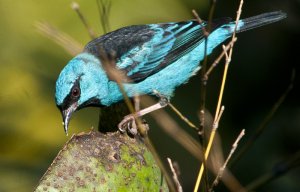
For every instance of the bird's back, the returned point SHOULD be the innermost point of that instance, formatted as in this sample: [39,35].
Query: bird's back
[164,56]
[142,50]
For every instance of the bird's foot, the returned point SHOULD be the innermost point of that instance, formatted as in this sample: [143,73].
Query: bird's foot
[127,121]
[163,100]
[129,124]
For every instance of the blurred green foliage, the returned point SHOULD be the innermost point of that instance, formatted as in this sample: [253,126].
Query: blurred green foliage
[31,133]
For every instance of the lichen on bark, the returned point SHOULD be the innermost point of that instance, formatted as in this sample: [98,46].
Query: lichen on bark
[103,162]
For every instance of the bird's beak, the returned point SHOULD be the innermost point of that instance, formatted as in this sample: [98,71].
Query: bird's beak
[67,113]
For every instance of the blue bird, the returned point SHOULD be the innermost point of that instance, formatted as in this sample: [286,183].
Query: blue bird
[150,57]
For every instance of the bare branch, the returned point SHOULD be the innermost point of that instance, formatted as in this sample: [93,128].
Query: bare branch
[104,9]
[75,6]
[216,123]
[199,20]
[217,61]
[172,128]
[220,173]
[201,130]
[175,177]
[219,101]
[185,119]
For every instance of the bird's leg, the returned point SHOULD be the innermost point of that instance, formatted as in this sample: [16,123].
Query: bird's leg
[128,123]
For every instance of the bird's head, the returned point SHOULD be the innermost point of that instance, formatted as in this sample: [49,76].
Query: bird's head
[80,84]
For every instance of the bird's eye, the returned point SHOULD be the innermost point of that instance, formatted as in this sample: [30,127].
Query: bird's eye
[75,92]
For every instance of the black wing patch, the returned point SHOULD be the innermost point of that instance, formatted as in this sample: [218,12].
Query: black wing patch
[119,42]
[142,50]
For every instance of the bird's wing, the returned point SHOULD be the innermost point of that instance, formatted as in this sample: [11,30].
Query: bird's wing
[143,50]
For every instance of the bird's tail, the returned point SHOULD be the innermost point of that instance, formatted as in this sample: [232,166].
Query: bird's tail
[260,20]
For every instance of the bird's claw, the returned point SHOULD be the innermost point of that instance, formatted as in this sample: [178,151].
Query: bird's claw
[163,101]
[125,123]
[129,124]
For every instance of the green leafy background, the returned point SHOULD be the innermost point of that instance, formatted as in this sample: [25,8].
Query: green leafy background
[31,133]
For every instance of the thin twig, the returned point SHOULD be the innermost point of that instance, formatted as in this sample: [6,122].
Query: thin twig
[75,6]
[239,12]
[103,10]
[137,103]
[117,76]
[201,130]
[203,79]
[212,135]
[225,52]
[217,61]
[172,129]
[200,21]
[185,119]
[220,173]
[211,13]
[213,132]
[175,177]
[59,37]
[216,122]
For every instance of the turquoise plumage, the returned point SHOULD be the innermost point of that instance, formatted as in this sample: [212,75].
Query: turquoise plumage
[149,57]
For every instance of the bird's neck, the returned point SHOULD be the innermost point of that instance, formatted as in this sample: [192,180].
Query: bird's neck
[96,83]
[114,94]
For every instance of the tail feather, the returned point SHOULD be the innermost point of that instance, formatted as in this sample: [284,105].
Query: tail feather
[260,20]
